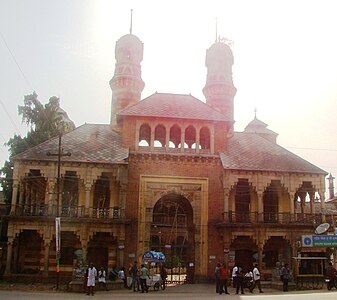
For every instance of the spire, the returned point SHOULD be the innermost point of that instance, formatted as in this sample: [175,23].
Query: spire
[216,30]
[131,10]
[255,111]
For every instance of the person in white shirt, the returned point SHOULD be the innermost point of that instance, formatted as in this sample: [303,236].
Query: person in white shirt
[256,279]
[92,274]
[102,278]
[234,275]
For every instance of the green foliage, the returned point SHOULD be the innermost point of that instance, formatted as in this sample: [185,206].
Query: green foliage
[44,122]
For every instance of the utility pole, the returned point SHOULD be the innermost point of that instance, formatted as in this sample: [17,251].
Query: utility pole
[59,154]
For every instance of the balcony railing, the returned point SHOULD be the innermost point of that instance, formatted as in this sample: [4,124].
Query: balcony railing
[70,211]
[272,217]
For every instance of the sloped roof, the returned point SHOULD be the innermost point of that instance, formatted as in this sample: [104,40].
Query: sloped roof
[249,151]
[95,143]
[173,106]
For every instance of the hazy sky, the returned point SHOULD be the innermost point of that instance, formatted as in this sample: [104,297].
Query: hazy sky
[285,61]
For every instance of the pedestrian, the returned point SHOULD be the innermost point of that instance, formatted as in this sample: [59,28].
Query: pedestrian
[249,280]
[256,279]
[285,275]
[121,275]
[163,275]
[143,276]
[224,275]
[234,274]
[102,278]
[92,274]
[239,280]
[134,272]
[217,278]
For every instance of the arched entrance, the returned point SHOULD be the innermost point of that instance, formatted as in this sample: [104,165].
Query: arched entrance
[172,230]
[276,249]
[245,251]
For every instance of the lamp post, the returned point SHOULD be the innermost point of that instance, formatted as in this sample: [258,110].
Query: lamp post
[59,154]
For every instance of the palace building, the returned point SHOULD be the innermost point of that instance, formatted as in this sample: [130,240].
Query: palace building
[170,174]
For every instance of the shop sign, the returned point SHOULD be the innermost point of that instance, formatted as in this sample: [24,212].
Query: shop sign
[319,240]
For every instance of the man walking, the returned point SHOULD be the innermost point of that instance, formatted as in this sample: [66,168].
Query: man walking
[256,279]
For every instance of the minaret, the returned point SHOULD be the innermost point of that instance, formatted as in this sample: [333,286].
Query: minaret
[219,89]
[126,84]
[331,187]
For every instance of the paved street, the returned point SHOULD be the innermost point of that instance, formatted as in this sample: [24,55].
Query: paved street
[195,291]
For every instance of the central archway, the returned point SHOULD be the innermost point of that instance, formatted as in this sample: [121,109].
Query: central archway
[172,230]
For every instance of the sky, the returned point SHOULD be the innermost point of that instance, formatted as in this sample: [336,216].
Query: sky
[285,61]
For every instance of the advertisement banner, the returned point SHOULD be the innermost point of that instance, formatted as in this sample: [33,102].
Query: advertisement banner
[58,237]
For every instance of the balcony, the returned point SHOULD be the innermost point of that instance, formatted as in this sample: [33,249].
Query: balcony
[71,212]
[272,218]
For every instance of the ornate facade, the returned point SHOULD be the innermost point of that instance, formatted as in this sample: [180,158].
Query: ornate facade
[170,174]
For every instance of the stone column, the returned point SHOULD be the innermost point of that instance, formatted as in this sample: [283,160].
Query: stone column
[167,138]
[260,254]
[84,244]
[46,258]
[152,138]
[197,141]
[14,196]
[182,143]
[21,194]
[226,204]
[260,206]
[87,199]
[8,270]
[292,206]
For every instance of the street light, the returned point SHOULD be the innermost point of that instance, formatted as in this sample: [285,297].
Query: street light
[59,154]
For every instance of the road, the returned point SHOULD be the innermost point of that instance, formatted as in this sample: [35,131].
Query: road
[196,291]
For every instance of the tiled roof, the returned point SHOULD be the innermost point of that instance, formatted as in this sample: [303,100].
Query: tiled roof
[173,106]
[95,143]
[249,151]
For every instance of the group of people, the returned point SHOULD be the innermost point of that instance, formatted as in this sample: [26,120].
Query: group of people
[91,274]
[140,275]
[245,278]
[241,279]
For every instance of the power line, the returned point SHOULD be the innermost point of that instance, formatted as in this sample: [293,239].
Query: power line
[15,61]
[314,149]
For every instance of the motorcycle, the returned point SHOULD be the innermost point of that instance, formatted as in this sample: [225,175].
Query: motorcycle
[331,282]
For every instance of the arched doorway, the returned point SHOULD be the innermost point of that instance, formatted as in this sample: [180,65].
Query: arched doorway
[245,251]
[172,230]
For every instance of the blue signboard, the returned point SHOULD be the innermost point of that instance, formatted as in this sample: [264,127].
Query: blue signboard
[319,240]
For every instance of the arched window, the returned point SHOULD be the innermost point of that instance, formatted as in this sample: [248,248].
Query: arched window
[205,138]
[190,136]
[159,136]
[144,135]
[175,136]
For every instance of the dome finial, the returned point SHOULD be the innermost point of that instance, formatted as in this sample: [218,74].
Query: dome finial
[255,111]
[131,10]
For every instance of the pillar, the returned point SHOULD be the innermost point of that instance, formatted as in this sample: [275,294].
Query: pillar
[167,139]
[84,244]
[46,258]
[152,139]
[87,198]
[226,204]
[14,196]
[197,140]
[9,255]
[260,206]
[182,143]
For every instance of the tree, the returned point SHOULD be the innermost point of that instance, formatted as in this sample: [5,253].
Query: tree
[44,122]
